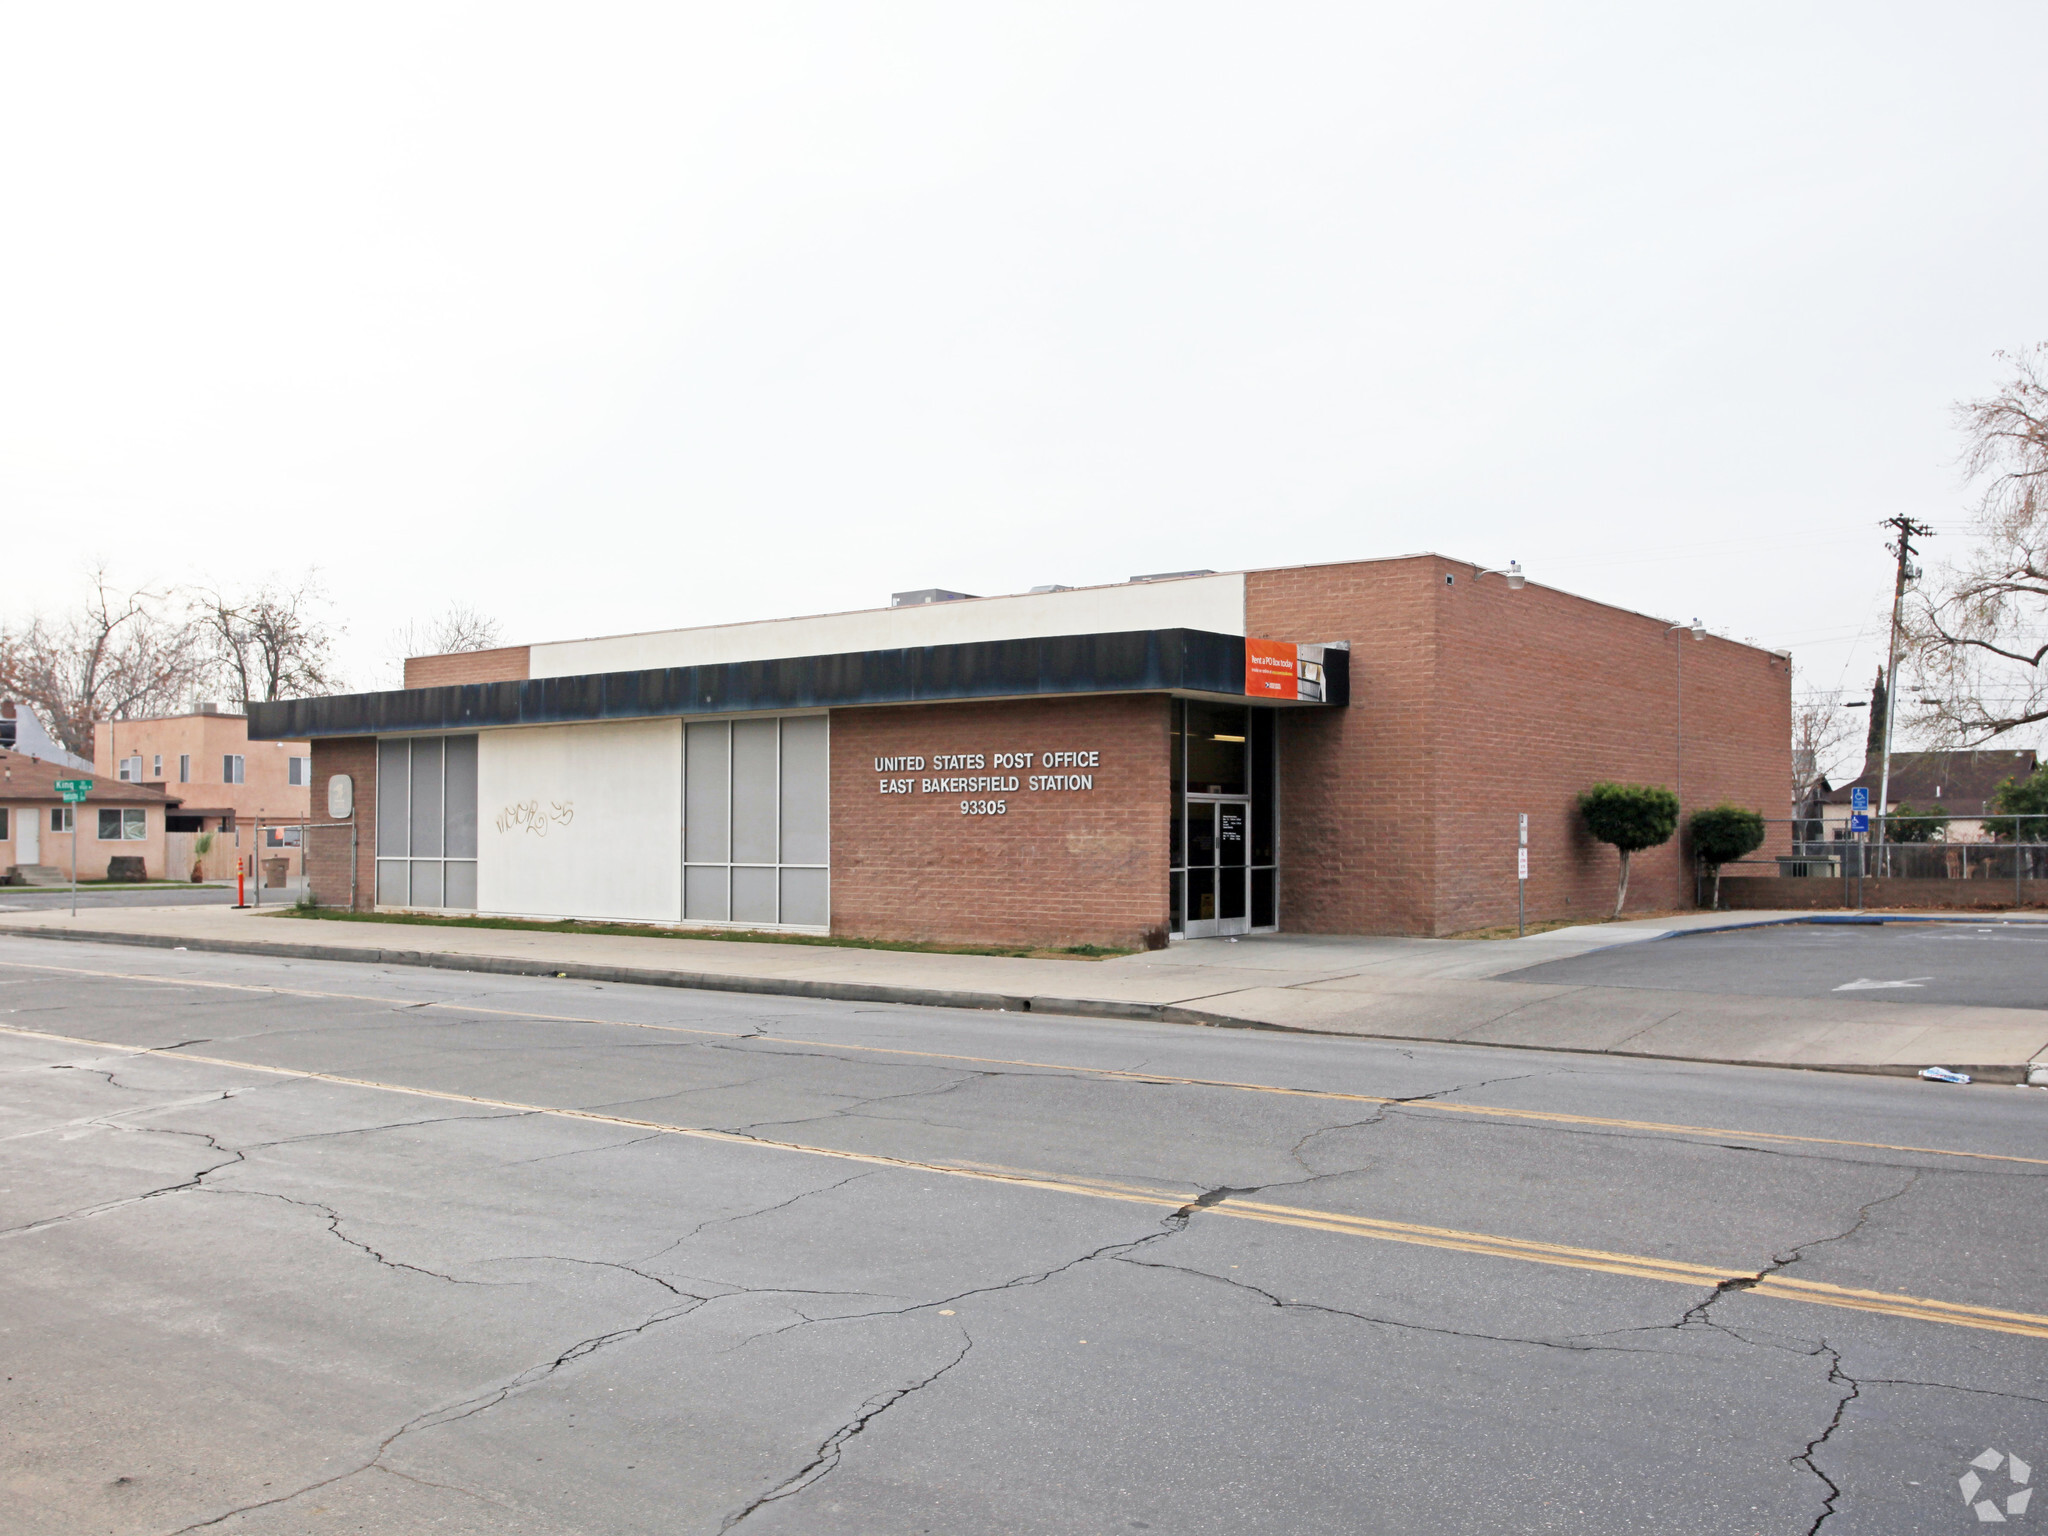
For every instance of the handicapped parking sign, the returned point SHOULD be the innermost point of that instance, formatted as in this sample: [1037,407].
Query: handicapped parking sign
[1859,809]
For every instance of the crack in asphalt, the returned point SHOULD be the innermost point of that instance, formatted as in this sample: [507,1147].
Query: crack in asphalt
[1806,1457]
[558,1258]
[372,1130]
[85,1213]
[427,1482]
[859,1104]
[119,1119]
[1947,1386]
[1173,1223]
[1700,1139]
[609,1146]
[827,1456]
[464,1408]
[1269,1297]
[334,1220]
[720,1221]
[1698,1314]
[1378,1116]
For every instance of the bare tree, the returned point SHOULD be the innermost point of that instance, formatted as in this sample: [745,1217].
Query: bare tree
[122,655]
[267,644]
[1980,635]
[459,628]
[1821,730]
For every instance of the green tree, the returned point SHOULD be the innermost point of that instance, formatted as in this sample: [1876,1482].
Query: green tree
[1724,833]
[1920,827]
[1632,817]
[2025,804]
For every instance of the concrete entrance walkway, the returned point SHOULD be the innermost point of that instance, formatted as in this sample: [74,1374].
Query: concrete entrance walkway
[1390,988]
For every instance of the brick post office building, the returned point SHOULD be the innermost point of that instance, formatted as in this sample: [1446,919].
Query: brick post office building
[1340,748]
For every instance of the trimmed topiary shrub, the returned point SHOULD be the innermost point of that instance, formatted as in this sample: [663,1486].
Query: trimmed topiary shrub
[1722,834]
[1632,817]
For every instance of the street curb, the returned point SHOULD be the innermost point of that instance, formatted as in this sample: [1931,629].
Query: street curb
[1851,919]
[505,965]
[927,997]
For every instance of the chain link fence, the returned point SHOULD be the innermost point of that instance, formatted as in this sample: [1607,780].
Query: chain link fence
[1905,861]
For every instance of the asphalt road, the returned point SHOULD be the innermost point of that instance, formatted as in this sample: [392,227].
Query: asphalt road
[1992,964]
[313,1247]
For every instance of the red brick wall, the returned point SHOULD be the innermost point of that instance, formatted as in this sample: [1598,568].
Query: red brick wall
[1357,833]
[1555,693]
[327,859]
[1059,868]
[1470,703]
[508,664]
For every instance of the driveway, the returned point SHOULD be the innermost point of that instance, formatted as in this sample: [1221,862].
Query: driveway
[1992,964]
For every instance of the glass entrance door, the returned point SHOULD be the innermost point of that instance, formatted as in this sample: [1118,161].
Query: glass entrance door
[1223,846]
[1219,883]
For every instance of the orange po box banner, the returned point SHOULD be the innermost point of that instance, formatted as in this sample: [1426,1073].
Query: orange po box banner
[1271,669]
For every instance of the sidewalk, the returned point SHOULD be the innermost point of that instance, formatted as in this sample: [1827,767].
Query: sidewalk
[1389,988]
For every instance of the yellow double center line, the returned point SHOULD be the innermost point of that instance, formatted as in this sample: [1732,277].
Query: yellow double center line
[1106,1074]
[1490,1245]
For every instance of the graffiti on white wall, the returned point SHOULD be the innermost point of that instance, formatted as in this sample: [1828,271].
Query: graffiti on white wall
[536,818]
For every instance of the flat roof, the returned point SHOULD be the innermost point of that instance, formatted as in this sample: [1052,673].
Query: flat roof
[1187,661]
[1209,600]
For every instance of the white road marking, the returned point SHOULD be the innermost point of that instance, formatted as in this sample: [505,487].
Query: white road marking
[1865,984]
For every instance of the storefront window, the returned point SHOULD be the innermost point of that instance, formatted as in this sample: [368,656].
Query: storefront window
[754,822]
[426,822]
[1218,755]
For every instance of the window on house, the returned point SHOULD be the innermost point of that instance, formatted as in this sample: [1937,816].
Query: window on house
[3,823]
[283,837]
[60,819]
[184,768]
[299,770]
[426,822]
[123,826]
[156,766]
[131,769]
[231,766]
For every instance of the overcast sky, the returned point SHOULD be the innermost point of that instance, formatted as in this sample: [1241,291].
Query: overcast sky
[603,318]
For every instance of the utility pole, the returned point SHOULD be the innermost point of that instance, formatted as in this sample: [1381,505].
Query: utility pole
[1907,530]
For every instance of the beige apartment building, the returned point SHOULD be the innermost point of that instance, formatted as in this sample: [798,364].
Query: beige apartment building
[222,782]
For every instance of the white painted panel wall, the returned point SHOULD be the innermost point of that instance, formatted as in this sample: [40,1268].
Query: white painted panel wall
[581,821]
[1214,603]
